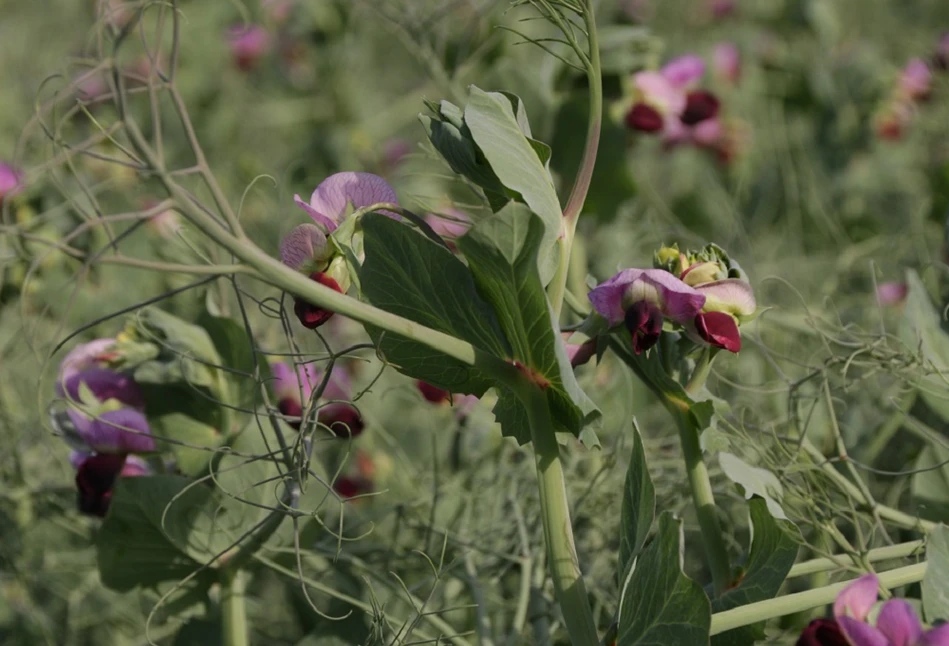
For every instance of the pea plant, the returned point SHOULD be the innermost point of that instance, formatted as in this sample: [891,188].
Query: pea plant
[216,429]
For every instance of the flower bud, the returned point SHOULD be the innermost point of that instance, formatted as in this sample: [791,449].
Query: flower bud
[719,330]
[305,249]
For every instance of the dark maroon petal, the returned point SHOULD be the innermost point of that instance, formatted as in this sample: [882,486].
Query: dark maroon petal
[699,106]
[106,384]
[644,321]
[719,329]
[311,316]
[343,419]
[349,486]
[822,632]
[432,393]
[644,118]
[94,481]
[292,411]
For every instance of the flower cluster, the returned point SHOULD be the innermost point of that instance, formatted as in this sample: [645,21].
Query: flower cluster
[294,389]
[913,87]
[897,623]
[670,103]
[702,293]
[308,248]
[104,423]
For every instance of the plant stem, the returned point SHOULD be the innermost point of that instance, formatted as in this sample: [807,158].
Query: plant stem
[704,501]
[900,551]
[791,603]
[233,612]
[558,530]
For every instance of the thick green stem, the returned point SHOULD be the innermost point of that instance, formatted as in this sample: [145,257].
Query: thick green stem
[564,565]
[233,611]
[903,550]
[704,501]
[792,603]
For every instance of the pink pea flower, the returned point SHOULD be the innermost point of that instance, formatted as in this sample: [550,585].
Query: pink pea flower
[117,432]
[916,80]
[641,299]
[726,299]
[892,293]
[897,623]
[248,43]
[293,391]
[93,354]
[337,193]
[451,225]
[726,61]
[669,101]
[104,384]
[579,353]
[96,475]
[11,181]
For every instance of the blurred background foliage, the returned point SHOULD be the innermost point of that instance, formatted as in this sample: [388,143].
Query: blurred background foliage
[815,204]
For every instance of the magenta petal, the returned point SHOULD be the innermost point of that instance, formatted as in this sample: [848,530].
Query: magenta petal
[658,92]
[318,217]
[83,356]
[676,300]
[303,245]
[916,79]
[104,384]
[938,636]
[679,302]
[684,70]
[285,384]
[898,621]
[450,226]
[607,297]
[861,634]
[334,193]
[858,598]
[10,180]
[116,431]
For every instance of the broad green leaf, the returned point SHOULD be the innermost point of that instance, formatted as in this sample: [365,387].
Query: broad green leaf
[921,331]
[659,604]
[930,484]
[755,482]
[639,503]
[774,546]
[131,549]
[187,352]
[495,129]
[192,441]
[502,253]
[407,274]
[935,588]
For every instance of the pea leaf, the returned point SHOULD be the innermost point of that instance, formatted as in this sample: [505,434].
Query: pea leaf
[930,484]
[921,330]
[639,503]
[935,591]
[502,253]
[659,604]
[754,481]
[773,550]
[192,440]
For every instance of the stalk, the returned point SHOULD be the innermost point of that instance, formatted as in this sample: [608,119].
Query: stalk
[233,610]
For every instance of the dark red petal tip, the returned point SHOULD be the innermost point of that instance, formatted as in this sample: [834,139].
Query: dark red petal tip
[343,419]
[644,321]
[822,632]
[644,118]
[432,393]
[311,316]
[94,481]
[719,329]
[699,106]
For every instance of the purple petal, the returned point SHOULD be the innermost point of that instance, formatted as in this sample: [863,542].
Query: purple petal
[684,70]
[708,132]
[658,92]
[104,384]
[607,297]
[337,388]
[318,217]
[727,61]
[898,621]
[678,301]
[861,634]
[336,192]
[83,356]
[76,458]
[858,598]
[938,636]
[10,180]
[675,299]
[916,79]
[452,225]
[115,431]
[304,245]
[892,293]
[731,295]
[285,384]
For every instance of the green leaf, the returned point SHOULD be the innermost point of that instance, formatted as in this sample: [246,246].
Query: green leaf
[502,253]
[407,274]
[930,484]
[639,503]
[921,330]
[935,590]
[187,351]
[755,482]
[773,550]
[495,129]
[659,604]
[131,549]
[192,440]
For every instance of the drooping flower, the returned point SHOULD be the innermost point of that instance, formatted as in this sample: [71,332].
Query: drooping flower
[10,181]
[330,200]
[294,389]
[726,61]
[822,632]
[96,476]
[248,43]
[892,293]
[93,354]
[104,385]
[351,486]
[116,432]
[431,393]
[897,623]
[641,299]
[579,353]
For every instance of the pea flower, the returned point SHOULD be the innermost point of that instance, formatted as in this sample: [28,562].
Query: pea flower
[822,632]
[892,293]
[248,43]
[351,486]
[93,354]
[10,181]
[451,225]
[337,193]
[915,81]
[726,61]
[435,395]
[896,624]
[641,298]
[295,388]
[579,353]
[96,475]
